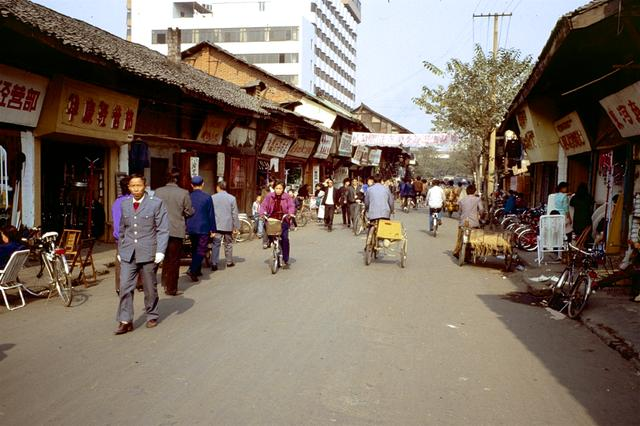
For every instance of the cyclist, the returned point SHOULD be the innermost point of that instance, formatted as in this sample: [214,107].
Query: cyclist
[407,192]
[276,205]
[435,200]
[378,201]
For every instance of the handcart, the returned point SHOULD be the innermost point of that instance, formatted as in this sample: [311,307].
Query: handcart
[388,236]
[475,244]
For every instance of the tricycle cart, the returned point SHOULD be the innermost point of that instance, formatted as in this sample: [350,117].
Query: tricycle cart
[473,244]
[388,236]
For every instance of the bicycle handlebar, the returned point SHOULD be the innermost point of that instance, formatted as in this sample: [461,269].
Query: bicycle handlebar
[586,253]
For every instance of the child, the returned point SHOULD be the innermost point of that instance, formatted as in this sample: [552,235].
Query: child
[255,208]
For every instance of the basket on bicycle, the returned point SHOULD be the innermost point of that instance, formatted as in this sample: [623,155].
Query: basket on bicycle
[273,227]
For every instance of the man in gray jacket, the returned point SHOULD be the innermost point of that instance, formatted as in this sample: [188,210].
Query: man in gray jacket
[378,201]
[142,240]
[178,205]
[227,222]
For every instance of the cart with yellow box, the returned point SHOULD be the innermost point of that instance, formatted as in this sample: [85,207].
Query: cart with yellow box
[388,236]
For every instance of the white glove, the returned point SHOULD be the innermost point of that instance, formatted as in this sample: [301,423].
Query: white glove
[159,257]
[118,257]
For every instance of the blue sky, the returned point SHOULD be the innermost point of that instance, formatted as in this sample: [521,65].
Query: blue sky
[396,36]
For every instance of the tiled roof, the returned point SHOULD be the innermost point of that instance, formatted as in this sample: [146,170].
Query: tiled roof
[81,37]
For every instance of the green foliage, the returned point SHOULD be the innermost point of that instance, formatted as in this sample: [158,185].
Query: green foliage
[476,99]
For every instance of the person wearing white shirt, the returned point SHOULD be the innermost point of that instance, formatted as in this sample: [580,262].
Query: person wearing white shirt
[329,203]
[435,200]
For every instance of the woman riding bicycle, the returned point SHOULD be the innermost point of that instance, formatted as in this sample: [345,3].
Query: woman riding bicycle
[277,205]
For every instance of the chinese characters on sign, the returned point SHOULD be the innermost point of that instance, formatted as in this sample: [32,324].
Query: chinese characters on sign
[276,146]
[21,96]
[237,178]
[623,108]
[242,138]
[345,145]
[573,138]
[91,110]
[302,148]
[374,157]
[324,147]
[360,157]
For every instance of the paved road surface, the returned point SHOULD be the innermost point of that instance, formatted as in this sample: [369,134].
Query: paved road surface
[330,341]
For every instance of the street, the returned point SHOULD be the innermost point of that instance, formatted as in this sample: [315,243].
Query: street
[330,341]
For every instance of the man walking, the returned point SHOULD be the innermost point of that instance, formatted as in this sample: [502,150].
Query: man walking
[329,202]
[347,200]
[142,241]
[178,204]
[199,226]
[227,222]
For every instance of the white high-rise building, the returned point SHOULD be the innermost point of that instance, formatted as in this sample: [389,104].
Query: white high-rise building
[309,43]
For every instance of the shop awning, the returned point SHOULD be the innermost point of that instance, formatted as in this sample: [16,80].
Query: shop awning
[441,141]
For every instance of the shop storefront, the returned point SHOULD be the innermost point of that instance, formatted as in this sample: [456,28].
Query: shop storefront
[273,152]
[22,96]
[79,137]
[296,163]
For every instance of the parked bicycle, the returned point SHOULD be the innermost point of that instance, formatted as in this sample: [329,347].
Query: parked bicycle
[54,262]
[573,288]
[247,228]
[361,221]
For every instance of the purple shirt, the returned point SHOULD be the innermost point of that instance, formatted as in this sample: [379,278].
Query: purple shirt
[116,212]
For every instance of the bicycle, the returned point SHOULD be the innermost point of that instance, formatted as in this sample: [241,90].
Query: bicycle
[246,230]
[303,214]
[370,244]
[273,228]
[361,221]
[435,220]
[574,286]
[53,260]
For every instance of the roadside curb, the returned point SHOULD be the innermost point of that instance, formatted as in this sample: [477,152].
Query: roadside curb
[615,342]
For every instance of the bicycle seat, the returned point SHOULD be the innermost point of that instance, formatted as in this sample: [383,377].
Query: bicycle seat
[50,235]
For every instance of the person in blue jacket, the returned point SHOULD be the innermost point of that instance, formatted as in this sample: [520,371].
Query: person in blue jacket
[200,226]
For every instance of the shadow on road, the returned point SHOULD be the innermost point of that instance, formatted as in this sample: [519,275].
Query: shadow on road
[3,348]
[567,359]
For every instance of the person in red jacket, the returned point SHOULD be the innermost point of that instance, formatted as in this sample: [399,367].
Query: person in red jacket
[279,205]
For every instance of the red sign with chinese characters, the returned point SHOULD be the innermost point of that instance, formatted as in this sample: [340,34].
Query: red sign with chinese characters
[623,108]
[21,96]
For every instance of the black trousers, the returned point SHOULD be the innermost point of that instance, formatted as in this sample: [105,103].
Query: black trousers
[329,211]
[346,214]
[171,265]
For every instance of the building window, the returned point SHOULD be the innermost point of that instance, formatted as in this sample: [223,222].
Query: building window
[283,33]
[159,37]
[269,58]
[256,34]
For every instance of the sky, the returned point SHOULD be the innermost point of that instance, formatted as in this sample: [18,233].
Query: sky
[396,36]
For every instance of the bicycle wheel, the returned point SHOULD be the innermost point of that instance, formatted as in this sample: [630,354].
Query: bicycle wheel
[368,248]
[302,218]
[527,239]
[62,281]
[275,258]
[463,254]
[434,225]
[578,296]
[245,232]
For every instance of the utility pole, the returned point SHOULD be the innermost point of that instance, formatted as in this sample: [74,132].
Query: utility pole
[491,172]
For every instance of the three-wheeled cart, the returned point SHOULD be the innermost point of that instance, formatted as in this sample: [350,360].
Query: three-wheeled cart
[388,236]
[475,244]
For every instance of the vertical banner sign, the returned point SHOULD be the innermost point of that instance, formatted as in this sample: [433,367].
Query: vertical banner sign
[194,166]
[316,175]
[344,149]
[21,96]
[374,157]
[623,108]
[220,164]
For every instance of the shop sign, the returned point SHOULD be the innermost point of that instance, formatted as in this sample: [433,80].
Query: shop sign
[241,137]
[538,135]
[573,138]
[237,176]
[302,148]
[212,130]
[220,164]
[21,96]
[324,147]
[276,146]
[623,109]
[341,174]
[316,175]
[374,157]
[344,149]
[361,156]
[194,166]
[88,110]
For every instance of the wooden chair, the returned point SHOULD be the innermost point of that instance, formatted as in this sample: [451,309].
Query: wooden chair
[70,242]
[9,277]
[85,255]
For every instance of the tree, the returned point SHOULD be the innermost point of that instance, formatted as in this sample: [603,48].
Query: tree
[476,100]
[431,163]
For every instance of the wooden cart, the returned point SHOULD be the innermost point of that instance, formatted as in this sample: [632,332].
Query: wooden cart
[475,244]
